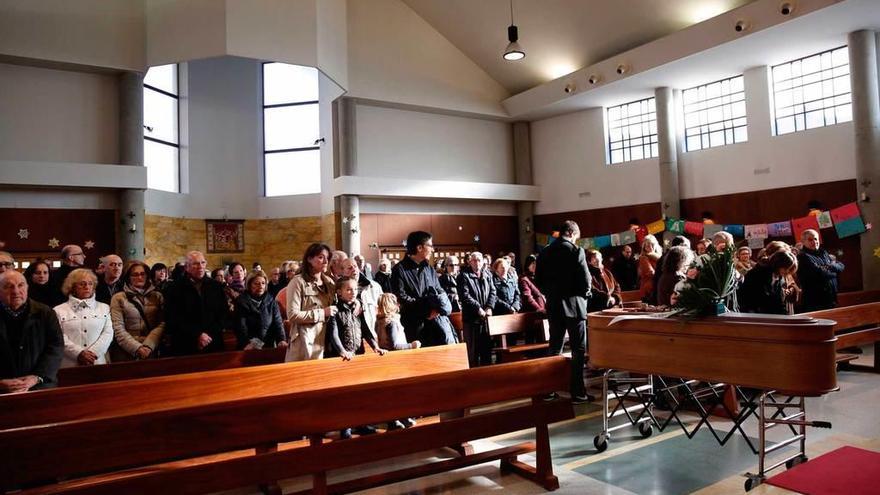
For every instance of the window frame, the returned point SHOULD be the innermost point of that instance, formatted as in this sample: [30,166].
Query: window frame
[176,98]
[653,138]
[803,103]
[267,152]
[724,128]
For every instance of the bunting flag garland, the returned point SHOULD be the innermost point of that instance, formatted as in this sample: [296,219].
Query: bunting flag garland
[693,228]
[656,227]
[675,225]
[615,239]
[711,229]
[757,231]
[627,237]
[824,220]
[799,225]
[779,229]
[848,220]
[602,241]
[735,230]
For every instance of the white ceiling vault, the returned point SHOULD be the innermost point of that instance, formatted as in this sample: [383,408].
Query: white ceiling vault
[559,36]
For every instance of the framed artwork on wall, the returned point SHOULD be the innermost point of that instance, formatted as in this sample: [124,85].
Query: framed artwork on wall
[225,236]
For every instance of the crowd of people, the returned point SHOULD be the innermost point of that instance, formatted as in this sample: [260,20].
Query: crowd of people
[329,304]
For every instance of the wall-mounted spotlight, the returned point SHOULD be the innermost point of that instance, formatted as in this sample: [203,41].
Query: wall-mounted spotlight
[594,79]
[741,26]
[570,88]
[622,69]
[320,141]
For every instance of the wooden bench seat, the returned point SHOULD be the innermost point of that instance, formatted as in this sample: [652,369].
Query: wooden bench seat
[532,327]
[856,325]
[129,370]
[101,430]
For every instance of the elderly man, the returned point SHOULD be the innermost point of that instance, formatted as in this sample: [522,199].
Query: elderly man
[477,300]
[424,305]
[275,282]
[817,273]
[364,267]
[7,262]
[626,269]
[336,259]
[111,281]
[195,309]
[32,344]
[72,257]
[563,276]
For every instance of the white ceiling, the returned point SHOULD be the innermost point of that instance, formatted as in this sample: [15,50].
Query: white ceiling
[558,36]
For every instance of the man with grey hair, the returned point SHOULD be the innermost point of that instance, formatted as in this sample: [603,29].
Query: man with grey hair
[32,347]
[563,276]
[7,262]
[195,309]
[817,273]
[365,268]
[111,281]
[72,257]
[477,300]
[336,259]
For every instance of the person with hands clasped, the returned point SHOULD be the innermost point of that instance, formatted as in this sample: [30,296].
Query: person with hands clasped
[310,304]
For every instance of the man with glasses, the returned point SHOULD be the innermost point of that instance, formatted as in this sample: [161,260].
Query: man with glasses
[449,281]
[111,281]
[195,309]
[424,306]
[7,262]
[72,257]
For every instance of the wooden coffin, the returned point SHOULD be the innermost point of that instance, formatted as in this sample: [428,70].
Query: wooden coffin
[791,354]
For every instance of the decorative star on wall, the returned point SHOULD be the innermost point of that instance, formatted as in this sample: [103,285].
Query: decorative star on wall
[23,233]
[89,244]
[877,252]
[54,243]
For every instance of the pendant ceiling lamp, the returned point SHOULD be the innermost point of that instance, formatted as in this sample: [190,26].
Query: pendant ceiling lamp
[513,50]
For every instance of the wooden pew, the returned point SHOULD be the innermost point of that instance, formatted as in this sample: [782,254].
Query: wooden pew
[856,326]
[629,296]
[858,297]
[457,324]
[533,326]
[130,426]
[129,370]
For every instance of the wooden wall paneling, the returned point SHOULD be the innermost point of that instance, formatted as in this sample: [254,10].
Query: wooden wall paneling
[68,226]
[446,229]
[499,234]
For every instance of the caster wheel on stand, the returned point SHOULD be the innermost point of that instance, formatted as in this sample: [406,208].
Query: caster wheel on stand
[752,481]
[601,443]
[794,462]
[646,429]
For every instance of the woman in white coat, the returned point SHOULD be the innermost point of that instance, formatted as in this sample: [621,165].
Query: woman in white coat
[310,296]
[85,322]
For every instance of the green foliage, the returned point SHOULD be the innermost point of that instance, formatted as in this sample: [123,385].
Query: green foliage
[714,282]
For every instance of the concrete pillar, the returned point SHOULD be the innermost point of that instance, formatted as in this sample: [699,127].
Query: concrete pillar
[351,224]
[866,130]
[668,154]
[130,209]
[525,210]
[347,135]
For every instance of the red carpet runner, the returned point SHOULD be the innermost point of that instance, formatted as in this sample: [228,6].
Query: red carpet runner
[845,471]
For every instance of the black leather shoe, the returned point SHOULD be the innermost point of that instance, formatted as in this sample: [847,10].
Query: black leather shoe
[408,422]
[395,425]
[345,434]
[550,397]
[582,399]
[365,430]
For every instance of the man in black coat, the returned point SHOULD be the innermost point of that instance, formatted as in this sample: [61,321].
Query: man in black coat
[424,306]
[72,257]
[817,274]
[477,300]
[31,342]
[626,269]
[195,309]
[564,278]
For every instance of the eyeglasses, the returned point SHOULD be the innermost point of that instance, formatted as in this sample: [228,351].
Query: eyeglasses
[77,254]
[84,283]
[7,264]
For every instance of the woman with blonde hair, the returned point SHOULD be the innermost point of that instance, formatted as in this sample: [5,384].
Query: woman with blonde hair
[85,322]
[651,252]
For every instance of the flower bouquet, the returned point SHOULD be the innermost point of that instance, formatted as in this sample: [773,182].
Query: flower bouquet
[710,286]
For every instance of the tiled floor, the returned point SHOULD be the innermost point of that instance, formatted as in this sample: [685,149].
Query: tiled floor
[666,463]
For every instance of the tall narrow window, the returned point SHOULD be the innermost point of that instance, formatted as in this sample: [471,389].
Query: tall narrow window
[291,155]
[632,131]
[715,114]
[812,92]
[161,135]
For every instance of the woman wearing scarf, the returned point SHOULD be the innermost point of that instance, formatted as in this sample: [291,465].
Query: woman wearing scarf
[137,315]
[257,321]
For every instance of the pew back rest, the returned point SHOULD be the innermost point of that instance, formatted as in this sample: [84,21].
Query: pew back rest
[529,323]
[202,429]
[858,297]
[130,370]
[186,390]
[850,317]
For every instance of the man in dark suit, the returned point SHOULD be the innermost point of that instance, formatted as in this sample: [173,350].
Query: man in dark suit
[195,309]
[564,278]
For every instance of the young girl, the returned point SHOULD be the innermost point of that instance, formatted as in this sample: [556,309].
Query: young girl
[388,327]
[347,329]
[392,337]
